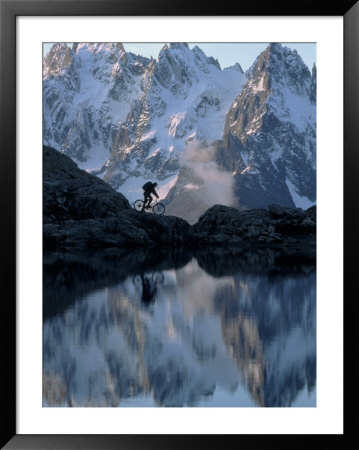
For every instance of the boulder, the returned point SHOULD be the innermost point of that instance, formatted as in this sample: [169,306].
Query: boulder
[72,193]
[231,225]
[291,231]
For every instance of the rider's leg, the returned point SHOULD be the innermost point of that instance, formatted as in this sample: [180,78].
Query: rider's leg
[144,202]
[146,199]
[149,201]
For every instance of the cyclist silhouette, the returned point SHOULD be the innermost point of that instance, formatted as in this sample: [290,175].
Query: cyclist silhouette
[148,189]
[149,289]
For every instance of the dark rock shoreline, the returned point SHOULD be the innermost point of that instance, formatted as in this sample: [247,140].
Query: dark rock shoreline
[290,231]
[81,211]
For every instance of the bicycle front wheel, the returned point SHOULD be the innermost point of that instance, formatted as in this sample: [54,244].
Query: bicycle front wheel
[158,208]
[136,281]
[138,205]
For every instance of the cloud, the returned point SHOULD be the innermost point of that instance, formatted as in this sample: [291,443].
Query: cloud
[215,186]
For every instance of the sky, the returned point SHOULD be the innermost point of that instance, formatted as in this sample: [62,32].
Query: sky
[227,54]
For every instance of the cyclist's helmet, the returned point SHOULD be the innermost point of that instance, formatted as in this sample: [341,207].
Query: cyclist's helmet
[154,184]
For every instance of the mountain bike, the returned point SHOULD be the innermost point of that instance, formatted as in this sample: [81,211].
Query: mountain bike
[157,208]
[155,277]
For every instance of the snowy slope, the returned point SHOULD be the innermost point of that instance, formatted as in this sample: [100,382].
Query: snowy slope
[87,98]
[186,98]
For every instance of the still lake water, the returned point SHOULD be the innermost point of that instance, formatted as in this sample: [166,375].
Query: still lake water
[207,332]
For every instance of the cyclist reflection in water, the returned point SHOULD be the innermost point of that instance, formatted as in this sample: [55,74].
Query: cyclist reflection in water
[149,289]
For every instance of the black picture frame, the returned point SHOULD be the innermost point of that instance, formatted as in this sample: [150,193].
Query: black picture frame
[9,10]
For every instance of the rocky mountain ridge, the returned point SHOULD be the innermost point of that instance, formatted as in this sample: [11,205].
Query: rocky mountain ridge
[272,126]
[87,90]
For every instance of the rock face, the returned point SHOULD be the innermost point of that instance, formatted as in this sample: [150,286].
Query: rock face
[269,136]
[268,146]
[82,210]
[129,229]
[87,90]
[291,231]
[73,194]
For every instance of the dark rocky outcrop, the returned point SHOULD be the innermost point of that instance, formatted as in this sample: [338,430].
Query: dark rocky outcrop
[129,229]
[73,194]
[290,231]
[81,210]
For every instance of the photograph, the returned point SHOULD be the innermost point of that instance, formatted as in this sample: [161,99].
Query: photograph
[179,232]
[179,224]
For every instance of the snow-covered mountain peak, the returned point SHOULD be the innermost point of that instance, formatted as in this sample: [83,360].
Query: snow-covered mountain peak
[270,132]
[183,46]
[282,67]
[91,91]
[178,66]
[204,62]
[57,59]
[279,85]
[236,67]
[172,70]
[104,61]
[98,47]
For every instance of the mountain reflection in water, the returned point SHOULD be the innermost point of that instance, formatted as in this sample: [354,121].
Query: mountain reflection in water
[152,329]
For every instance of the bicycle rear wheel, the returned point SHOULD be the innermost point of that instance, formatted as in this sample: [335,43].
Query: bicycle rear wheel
[158,208]
[138,205]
